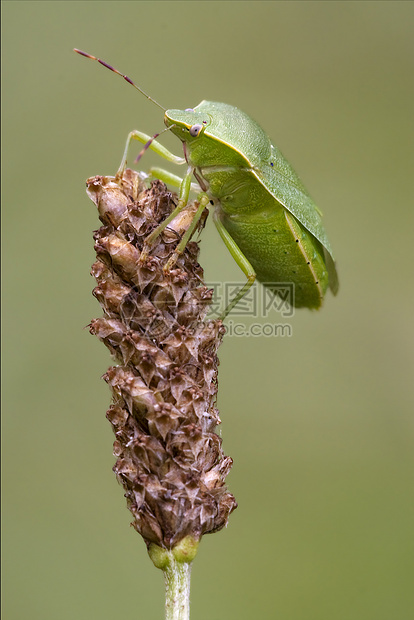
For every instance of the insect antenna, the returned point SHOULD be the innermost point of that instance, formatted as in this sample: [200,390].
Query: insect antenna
[150,141]
[105,64]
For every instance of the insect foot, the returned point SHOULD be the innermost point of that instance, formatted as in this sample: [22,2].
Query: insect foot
[169,459]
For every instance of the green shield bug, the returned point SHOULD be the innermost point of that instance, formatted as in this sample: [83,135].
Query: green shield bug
[263,213]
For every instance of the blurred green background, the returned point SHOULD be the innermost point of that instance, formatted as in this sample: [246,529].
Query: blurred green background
[319,425]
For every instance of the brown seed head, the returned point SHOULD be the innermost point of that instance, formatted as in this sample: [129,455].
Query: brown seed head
[169,459]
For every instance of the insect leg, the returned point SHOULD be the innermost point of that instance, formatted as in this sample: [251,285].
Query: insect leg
[204,200]
[182,202]
[154,146]
[170,179]
[240,259]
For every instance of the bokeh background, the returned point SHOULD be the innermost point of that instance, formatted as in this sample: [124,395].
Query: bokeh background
[320,425]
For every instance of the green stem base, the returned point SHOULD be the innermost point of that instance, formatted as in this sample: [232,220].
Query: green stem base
[177,591]
[176,566]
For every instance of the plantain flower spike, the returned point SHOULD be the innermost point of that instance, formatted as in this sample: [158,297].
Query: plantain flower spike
[169,459]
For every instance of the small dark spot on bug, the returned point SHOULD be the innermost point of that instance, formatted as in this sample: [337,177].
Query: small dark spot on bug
[204,122]
[271,163]
[297,240]
[308,263]
[211,202]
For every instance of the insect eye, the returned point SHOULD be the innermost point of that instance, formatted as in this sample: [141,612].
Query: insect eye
[195,130]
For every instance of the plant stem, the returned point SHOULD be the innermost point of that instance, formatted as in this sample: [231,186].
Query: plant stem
[177,589]
[176,565]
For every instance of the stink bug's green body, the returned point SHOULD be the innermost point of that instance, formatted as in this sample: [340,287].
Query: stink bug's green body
[262,204]
[263,212]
